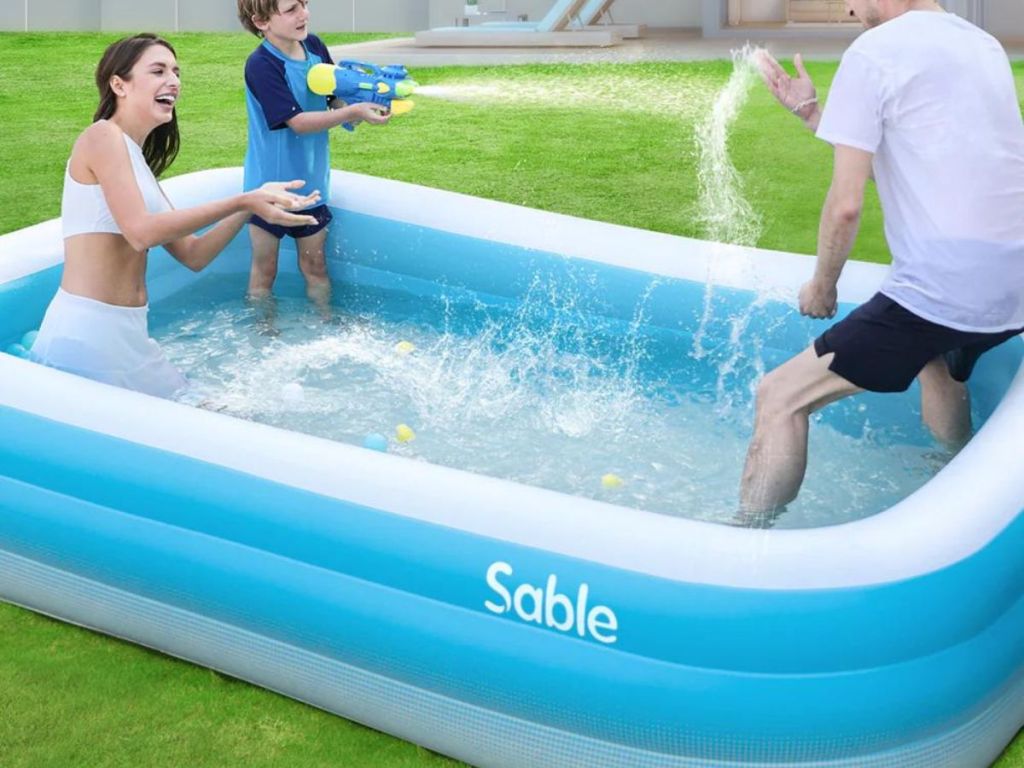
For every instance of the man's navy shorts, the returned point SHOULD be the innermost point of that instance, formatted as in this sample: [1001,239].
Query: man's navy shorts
[881,347]
[321,213]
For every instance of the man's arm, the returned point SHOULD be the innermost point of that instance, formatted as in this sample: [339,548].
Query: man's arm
[796,94]
[837,232]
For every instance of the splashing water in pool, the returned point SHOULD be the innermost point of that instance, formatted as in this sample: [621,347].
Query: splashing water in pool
[722,209]
[726,215]
[543,392]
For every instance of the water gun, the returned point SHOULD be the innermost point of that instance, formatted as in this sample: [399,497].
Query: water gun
[356,81]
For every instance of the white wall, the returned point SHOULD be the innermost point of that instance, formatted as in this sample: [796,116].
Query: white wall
[760,10]
[660,13]
[46,15]
[206,15]
[1005,18]
[443,13]
[388,15]
[133,16]
[654,13]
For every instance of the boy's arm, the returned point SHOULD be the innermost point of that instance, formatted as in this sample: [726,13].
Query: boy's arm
[314,122]
[266,81]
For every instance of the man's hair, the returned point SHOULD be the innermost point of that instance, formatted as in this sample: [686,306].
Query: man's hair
[261,9]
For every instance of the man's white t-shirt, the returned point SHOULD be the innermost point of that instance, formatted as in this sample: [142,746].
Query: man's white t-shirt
[933,98]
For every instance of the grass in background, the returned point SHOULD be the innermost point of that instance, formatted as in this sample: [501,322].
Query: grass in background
[608,142]
[547,136]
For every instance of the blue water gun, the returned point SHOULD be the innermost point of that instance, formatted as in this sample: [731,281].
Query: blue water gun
[356,81]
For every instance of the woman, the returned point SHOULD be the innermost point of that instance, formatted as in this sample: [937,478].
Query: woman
[114,211]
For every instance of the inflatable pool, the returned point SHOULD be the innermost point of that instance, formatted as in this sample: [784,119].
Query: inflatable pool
[504,624]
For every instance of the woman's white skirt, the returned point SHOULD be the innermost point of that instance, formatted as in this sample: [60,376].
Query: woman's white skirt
[106,343]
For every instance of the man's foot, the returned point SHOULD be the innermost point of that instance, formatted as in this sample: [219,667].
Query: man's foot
[763,519]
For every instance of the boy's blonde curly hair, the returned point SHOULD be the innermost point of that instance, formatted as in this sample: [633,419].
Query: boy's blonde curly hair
[261,9]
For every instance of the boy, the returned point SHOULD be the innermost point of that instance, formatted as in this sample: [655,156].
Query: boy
[288,136]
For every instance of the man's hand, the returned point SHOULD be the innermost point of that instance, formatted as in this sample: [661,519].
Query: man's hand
[818,300]
[796,94]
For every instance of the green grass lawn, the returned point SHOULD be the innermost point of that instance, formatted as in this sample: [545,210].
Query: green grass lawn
[608,142]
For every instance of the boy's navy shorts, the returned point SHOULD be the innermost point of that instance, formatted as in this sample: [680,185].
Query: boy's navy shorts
[321,213]
[881,347]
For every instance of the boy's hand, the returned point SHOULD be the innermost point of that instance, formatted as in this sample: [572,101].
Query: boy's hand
[366,112]
[272,202]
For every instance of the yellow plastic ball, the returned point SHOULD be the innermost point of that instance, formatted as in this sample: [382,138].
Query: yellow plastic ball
[404,347]
[404,433]
[611,481]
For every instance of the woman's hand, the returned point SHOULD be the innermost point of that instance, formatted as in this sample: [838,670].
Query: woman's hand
[273,202]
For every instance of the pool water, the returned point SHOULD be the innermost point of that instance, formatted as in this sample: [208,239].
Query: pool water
[541,391]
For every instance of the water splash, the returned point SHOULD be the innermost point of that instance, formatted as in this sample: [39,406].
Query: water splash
[549,391]
[676,93]
[722,210]
[724,213]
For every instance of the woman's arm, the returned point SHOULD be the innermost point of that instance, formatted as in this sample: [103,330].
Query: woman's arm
[196,251]
[105,155]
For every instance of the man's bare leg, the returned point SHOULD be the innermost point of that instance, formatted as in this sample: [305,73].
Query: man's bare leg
[313,266]
[777,457]
[945,405]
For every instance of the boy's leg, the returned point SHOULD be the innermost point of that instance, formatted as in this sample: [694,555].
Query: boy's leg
[777,457]
[264,262]
[945,404]
[313,265]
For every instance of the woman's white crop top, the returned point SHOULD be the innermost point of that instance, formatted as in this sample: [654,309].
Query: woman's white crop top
[84,209]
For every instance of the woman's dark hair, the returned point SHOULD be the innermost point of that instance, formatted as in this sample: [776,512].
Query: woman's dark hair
[162,144]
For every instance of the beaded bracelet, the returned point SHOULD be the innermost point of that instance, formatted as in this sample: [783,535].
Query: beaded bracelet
[802,104]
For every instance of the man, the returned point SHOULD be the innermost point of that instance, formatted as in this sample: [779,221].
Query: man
[925,102]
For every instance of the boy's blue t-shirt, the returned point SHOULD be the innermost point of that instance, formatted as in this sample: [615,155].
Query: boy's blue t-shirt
[276,91]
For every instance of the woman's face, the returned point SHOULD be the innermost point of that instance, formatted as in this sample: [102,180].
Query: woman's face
[154,86]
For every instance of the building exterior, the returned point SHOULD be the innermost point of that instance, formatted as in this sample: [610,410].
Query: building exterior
[1004,18]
